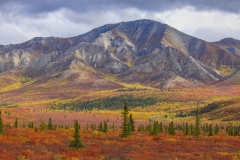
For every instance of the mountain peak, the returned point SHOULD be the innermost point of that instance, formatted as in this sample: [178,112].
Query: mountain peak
[142,51]
[228,41]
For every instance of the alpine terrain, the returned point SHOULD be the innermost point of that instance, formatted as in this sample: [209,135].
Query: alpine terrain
[143,52]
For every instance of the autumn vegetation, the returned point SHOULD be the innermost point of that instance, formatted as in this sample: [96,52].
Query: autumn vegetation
[152,124]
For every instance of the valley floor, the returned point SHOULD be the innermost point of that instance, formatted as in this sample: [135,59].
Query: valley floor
[25,143]
[20,143]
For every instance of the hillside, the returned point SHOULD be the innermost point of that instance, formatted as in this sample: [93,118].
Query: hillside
[142,52]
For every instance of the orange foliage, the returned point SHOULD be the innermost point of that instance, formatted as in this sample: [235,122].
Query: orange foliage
[55,144]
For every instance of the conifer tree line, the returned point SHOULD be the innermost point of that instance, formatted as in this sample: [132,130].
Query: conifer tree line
[128,126]
[189,129]
[233,130]
[110,103]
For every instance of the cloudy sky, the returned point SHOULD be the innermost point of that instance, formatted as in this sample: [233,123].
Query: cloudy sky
[21,20]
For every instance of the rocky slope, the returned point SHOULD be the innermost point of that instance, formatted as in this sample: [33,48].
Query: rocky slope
[230,44]
[233,79]
[142,51]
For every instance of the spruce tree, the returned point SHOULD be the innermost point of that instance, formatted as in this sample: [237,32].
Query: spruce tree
[183,127]
[30,125]
[113,127]
[105,127]
[197,129]
[160,127]
[1,124]
[125,125]
[156,129]
[77,142]
[35,129]
[192,131]
[16,123]
[139,128]
[43,126]
[204,129]
[187,129]
[131,121]
[50,125]
[216,129]
[129,127]
[236,133]
[171,129]
[165,128]
[101,127]
[210,130]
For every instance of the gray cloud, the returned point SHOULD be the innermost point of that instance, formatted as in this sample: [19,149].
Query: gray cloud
[45,6]
[215,34]
[21,20]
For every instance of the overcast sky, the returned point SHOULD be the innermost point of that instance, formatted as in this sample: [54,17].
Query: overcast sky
[210,20]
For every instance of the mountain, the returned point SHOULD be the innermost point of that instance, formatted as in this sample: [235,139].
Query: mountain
[230,44]
[233,79]
[143,51]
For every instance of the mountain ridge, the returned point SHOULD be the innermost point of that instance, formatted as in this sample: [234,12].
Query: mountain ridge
[142,51]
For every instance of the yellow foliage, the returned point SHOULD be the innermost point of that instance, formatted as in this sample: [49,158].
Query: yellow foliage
[236,156]
[96,133]
[223,153]
[21,157]
[172,139]
[226,70]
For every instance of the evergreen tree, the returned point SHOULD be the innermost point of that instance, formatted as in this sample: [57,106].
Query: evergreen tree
[105,127]
[30,125]
[43,126]
[125,125]
[129,127]
[204,129]
[216,129]
[35,129]
[131,121]
[50,125]
[160,127]
[192,132]
[1,124]
[236,133]
[207,127]
[171,129]
[187,129]
[183,127]
[16,123]
[141,128]
[113,127]
[165,128]
[77,142]
[156,129]
[149,128]
[210,130]
[197,129]
[100,127]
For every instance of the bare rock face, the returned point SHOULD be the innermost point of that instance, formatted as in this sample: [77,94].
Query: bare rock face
[141,51]
[233,79]
[230,44]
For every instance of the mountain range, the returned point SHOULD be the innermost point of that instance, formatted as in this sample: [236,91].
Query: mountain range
[143,52]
